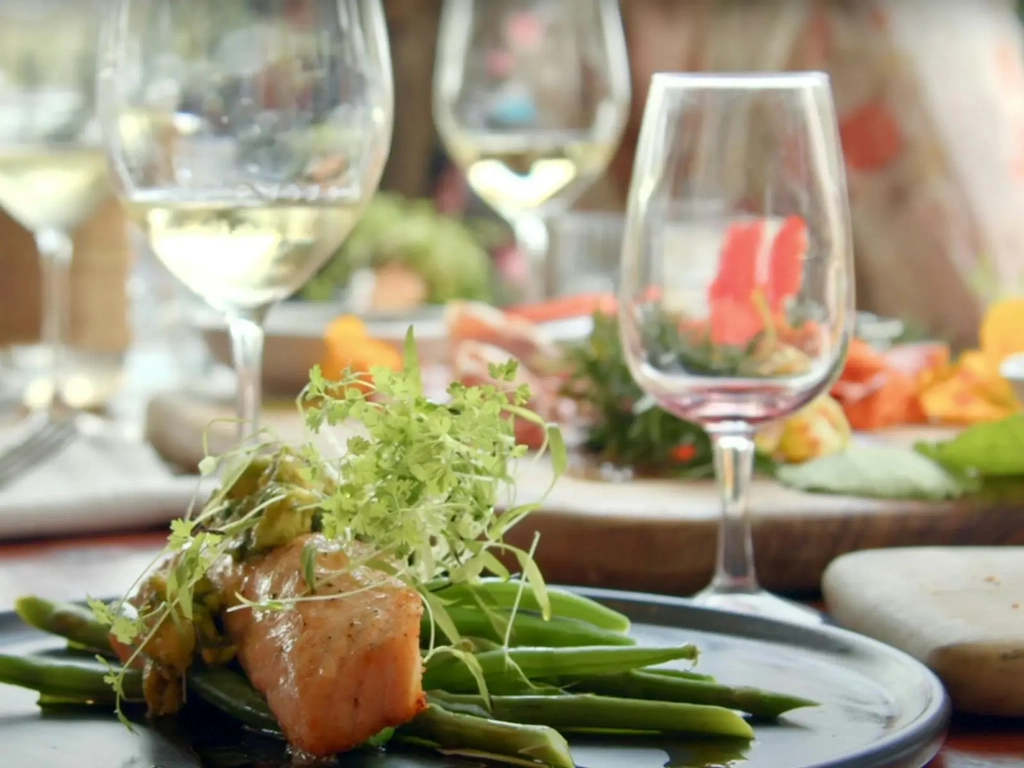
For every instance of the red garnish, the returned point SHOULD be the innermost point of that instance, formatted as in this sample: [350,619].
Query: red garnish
[786,264]
[737,270]
[756,277]
[735,322]
[685,453]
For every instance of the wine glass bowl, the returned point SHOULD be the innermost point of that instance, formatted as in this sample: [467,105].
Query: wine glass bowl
[736,292]
[531,99]
[246,140]
[53,174]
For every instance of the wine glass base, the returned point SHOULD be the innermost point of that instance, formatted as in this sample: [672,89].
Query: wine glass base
[759,603]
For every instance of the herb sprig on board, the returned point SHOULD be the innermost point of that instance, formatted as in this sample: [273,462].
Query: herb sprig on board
[626,429]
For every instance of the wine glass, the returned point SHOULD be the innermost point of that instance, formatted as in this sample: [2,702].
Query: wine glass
[246,139]
[736,294]
[531,99]
[53,173]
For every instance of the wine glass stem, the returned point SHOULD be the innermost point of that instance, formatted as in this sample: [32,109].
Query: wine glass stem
[533,239]
[247,351]
[56,251]
[734,469]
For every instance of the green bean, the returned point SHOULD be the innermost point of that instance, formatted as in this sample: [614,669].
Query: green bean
[499,593]
[681,674]
[528,629]
[78,680]
[46,701]
[641,684]
[73,622]
[590,712]
[506,670]
[484,737]
[233,695]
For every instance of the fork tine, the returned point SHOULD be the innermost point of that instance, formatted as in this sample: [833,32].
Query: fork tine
[46,443]
[22,456]
[40,445]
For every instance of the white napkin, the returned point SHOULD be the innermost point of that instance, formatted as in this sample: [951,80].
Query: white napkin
[104,482]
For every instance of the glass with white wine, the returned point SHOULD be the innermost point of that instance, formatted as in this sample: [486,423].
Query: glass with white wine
[531,99]
[53,172]
[246,139]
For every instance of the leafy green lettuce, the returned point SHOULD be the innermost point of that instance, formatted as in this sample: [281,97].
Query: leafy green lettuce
[980,457]
[984,450]
[876,471]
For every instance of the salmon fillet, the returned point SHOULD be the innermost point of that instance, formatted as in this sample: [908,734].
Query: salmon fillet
[334,672]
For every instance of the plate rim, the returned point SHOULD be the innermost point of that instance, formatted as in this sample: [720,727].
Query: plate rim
[928,728]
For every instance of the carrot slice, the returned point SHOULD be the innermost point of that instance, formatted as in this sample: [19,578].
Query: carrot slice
[863,362]
[887,406]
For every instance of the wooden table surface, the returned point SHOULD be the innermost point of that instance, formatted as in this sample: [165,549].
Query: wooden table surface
[101,567]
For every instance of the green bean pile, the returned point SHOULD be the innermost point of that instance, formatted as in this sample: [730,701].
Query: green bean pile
[579,671]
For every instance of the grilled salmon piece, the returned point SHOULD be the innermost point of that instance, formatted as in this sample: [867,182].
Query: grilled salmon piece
[335,672]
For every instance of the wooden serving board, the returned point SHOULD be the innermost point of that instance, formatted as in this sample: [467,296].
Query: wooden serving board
[660,535]
[959,611]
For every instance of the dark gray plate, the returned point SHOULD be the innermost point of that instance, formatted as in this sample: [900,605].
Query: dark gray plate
[880,708]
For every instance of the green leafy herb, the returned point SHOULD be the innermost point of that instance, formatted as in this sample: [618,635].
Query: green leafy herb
[883,472]
[626,428]
[419,486]
[984,450]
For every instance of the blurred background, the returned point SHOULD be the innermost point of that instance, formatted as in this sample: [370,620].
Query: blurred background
[933,136]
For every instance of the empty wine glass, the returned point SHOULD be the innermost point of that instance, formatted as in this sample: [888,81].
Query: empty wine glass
[531,99]
[736,293]
[246,138]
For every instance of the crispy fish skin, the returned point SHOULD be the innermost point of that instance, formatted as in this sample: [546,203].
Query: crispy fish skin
[335,672]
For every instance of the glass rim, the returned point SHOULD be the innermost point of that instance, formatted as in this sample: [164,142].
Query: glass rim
[740,80]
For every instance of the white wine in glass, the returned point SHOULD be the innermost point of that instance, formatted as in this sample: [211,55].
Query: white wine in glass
[51,186]
[528,172]
[246,139]
[53,172]
[531,99]
[244,255]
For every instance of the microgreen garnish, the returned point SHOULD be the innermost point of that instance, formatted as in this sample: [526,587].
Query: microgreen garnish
[419,484]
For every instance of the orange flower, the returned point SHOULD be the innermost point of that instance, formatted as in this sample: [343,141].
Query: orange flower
[973,390]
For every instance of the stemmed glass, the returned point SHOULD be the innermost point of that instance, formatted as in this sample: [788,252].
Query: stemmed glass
[246,138]
[736,295]
[531,99]
[53,174]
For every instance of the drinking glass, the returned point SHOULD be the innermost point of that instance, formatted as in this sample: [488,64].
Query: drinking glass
[246,139]
[736,292]
[53,173]
[531,99]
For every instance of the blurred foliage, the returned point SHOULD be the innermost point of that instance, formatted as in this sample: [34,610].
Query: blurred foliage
[452,256]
